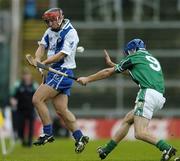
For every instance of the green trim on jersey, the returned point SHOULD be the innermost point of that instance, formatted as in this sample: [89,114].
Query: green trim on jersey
[138,111]
[117,68]
[140,100]
[144,69]
[141,95]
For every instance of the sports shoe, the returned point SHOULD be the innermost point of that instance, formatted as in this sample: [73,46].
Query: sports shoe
[102,152]
[80,144]
[43,139]
[167,154]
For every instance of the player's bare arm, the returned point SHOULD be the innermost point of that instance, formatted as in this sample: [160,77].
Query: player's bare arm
[40,53]
[54,58]
[105,73]
[110,63]
[108,59]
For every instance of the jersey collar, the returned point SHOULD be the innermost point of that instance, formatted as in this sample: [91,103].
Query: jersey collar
[65,24]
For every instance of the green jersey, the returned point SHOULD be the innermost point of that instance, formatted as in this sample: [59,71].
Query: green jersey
[144,69]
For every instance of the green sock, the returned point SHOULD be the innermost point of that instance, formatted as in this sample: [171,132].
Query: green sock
[162,145]
[110,146]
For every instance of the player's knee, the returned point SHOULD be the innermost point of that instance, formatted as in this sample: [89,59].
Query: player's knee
[61,109]
[139,135]
[128,119]
[36,100]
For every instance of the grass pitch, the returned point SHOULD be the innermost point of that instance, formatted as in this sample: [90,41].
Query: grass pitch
[63,150]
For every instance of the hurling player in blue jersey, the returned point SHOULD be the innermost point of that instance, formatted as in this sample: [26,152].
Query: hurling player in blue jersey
[60,40]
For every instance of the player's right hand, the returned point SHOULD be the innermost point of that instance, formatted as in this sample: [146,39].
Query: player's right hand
[82,80]
[43,74]
[41,71]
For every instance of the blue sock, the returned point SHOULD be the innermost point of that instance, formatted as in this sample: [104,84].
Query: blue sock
[77,134]
[47,129]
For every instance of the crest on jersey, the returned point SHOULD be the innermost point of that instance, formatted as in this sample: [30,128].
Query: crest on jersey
[71,44]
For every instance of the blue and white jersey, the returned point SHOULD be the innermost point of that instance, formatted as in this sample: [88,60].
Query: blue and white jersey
[65,41]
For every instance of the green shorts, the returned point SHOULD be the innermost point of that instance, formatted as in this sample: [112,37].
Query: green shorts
[147,102]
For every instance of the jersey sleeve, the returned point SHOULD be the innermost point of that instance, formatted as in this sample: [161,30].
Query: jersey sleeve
[123,65]
[71,41]
[45,40]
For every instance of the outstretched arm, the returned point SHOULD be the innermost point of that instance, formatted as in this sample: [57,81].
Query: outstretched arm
[105,73]
[108,59]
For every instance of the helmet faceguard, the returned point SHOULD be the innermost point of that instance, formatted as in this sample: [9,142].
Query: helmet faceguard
[135,45]
[53,14]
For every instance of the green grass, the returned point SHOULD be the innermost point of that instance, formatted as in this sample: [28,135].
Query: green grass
[63,150]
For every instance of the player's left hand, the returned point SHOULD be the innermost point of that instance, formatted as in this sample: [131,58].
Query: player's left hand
[108,59]
[82,80]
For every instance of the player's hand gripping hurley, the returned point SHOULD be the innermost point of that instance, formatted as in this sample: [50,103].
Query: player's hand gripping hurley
[34,63]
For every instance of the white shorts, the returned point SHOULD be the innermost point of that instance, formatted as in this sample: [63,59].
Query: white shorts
[147,102]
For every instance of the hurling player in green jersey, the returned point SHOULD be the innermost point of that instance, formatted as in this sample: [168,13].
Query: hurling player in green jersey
[146,71]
